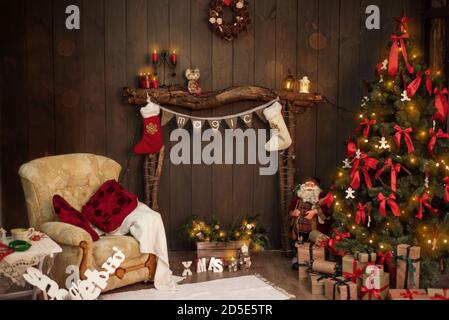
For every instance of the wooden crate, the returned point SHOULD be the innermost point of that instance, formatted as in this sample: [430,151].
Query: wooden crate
[226,250]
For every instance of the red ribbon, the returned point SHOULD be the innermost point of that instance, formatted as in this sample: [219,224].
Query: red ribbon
[351,149]
[433,140]
[413,87]
[395,169]
[446,190]
[333,241]
[328,200]
[441,104]
[387,259]
[356,273]
[408,140]
[373,292]
[424,202]
[368,163]
[227,3]
[367,124]
[391,203]
[361,213]
[444,296]
[393,65]
[411,294]
[429,84]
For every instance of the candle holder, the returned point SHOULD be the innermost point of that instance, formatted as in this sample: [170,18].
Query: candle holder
[167,60]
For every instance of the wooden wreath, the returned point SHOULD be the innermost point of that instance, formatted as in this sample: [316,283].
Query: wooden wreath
[229,30]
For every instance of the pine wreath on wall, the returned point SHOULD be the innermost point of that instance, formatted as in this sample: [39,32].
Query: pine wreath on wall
[229,30]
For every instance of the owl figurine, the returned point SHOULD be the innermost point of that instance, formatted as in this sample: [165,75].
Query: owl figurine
[193,76]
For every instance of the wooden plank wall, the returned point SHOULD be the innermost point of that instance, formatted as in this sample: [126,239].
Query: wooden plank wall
[60,90]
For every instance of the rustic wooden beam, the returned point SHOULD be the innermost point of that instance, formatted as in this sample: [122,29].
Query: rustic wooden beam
[179,97]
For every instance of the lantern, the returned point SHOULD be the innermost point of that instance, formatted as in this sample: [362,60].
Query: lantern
[289,83]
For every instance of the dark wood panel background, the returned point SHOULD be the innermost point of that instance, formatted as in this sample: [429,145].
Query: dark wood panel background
[60,90]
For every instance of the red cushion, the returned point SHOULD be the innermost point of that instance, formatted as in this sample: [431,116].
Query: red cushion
[109,206]
[67,214]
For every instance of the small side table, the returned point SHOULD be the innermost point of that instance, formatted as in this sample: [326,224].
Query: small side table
[13,266]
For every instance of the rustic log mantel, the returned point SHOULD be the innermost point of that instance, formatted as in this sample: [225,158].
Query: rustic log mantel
[179,97]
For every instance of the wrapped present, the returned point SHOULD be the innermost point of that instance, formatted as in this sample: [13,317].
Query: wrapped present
[325,267]
[407,294]
[438,294]
[340,289]
[317,284]
[376,283]
[353,269]
[366,257]
[308,252]
[318,238]
[408,266]
[303,272]
[387,260]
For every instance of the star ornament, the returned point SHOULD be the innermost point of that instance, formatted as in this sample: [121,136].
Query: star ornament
[350,193]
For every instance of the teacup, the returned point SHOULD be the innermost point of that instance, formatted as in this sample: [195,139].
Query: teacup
[22,233]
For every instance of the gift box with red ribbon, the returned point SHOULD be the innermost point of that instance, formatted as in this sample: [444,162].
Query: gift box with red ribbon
[353,266]
[407,294]
[375,284]
[438,294]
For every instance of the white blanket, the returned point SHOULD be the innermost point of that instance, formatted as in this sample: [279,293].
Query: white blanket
[146,226]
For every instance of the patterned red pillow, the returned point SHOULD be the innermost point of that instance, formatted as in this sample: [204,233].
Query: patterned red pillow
[109,206]
[67,214]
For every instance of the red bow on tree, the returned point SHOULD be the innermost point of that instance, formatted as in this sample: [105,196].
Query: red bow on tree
[393,65]
[408,140]
[446,190]
[394,170]
[402,22]
[368,163]
[429,84]
[339,237]
[351,149]
[387,259]
[433,140]
[227,3]
[441,104]
[391,203]
[328,200]
[361,213]
[424,202]
[367,123]
[413,87]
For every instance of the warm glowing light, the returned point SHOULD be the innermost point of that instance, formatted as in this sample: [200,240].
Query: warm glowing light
[353,227]
[371,241]
[337,204]
[340,174]
[438,164]
[438,72]
[349,215]
[373,114]
[445,240]
[361,116]
[366,140]
[429,241]
[382,246]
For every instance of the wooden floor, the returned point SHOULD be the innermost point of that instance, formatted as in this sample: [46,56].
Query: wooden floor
[269,264]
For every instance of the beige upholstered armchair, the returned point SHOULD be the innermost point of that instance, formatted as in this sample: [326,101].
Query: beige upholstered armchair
[76,178]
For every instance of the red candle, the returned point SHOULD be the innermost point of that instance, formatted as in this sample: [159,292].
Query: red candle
[155,83]
[174,58]
[155,58]
[144,81]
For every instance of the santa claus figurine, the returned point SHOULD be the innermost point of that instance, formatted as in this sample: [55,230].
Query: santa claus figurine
[307,213]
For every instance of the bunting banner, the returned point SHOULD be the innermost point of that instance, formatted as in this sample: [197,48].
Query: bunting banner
[232,121]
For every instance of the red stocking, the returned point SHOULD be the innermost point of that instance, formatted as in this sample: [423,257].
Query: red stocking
[152,136]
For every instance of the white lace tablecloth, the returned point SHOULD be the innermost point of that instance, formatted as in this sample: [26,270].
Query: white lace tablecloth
[13,266]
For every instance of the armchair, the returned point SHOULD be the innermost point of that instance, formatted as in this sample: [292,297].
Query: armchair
[76,178]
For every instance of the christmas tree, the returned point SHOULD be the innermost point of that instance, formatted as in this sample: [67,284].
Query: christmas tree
[393,188]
